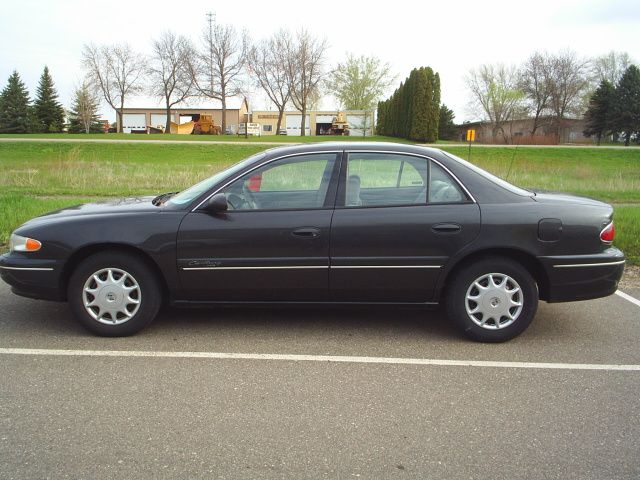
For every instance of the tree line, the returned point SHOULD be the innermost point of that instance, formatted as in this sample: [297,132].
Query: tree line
[614,109]
[289,67]
[18,114]
[45,114]
[413,111]
[546,87]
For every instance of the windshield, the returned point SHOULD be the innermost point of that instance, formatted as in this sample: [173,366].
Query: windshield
[191,193]
[503,183]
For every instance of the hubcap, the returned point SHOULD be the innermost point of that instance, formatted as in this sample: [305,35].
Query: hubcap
[494,301]
[111,296]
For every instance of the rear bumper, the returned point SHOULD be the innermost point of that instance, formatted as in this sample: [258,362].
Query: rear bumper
[33,278]
[583,277]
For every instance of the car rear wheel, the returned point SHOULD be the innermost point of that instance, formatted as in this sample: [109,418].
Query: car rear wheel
[114,294]
[492,300]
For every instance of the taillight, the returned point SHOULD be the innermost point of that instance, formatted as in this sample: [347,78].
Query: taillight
[608,233]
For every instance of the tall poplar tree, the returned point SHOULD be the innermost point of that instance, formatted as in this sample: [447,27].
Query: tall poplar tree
[419,107]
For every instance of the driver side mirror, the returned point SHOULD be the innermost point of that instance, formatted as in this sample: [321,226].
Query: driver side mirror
[217,204]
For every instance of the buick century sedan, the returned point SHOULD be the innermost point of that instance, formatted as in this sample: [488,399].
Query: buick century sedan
[340,223]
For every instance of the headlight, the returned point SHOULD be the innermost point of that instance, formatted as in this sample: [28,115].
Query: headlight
[23,244]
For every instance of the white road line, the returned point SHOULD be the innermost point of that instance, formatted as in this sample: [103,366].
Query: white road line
[629,298]
[318,358]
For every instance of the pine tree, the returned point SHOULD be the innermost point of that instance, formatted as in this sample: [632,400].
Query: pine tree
[48,111]
[83,117]
[626,104]
[598,115]
[447,129]
[15,115]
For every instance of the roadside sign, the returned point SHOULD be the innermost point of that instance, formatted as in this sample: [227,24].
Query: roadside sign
[253,129]
[471,135]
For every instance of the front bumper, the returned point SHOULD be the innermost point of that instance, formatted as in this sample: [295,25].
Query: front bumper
[583,277]
[32,277]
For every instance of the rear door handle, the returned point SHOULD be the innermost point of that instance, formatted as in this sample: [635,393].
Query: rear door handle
[446,228]
[306,232]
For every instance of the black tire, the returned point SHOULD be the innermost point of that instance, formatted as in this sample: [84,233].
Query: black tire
[514,321]
[138,282]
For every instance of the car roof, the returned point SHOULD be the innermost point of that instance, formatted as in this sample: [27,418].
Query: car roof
[353,145]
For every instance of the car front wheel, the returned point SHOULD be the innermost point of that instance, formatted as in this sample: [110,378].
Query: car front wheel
[114,294]
[492,300]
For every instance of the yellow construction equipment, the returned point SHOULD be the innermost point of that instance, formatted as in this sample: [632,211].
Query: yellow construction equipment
[339,125]
[183,128]
[202,125]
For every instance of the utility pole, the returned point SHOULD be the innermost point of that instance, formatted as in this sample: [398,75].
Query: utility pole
[211,18]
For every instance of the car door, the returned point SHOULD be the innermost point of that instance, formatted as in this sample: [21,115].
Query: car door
[397,221]
[272,244]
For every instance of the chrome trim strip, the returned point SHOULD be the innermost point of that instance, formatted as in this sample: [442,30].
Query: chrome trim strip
[589,264]
[422,156]
[41,269]
[261,165]
[292,267]
[386,266]
[305,267]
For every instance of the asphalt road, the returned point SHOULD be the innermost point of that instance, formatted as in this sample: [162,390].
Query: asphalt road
[69,413]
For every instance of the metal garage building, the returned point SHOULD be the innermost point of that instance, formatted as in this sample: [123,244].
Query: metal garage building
[361,122]
[137,119]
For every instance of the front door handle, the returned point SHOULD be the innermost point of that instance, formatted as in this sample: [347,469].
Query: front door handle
[446,228]
[306,232]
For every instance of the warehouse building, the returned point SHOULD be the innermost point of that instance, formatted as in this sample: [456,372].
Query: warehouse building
[144,115]
[317,122]
[138,119]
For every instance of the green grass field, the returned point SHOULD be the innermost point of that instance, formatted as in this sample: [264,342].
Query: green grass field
[36,177]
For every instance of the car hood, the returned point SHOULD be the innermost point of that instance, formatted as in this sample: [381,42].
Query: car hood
[565,198]
[119,206]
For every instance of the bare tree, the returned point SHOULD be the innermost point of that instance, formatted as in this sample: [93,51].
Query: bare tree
[217,69]
[568,81]
[534,83]
[116,71]
[169,71]
[495,95]
[610,67]
[267,64]
[305,61]
[83,116]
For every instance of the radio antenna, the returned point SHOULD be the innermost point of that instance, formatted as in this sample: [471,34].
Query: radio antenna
[513,157]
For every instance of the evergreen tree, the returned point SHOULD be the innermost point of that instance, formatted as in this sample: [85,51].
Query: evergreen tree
[48,111]
[626,104]
[447,129]
[83,117]
[15,115]
[413,111]
[598,115]
[419,109]
[381,120]
[434,107]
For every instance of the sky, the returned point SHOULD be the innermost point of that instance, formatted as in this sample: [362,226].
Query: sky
[452,37]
